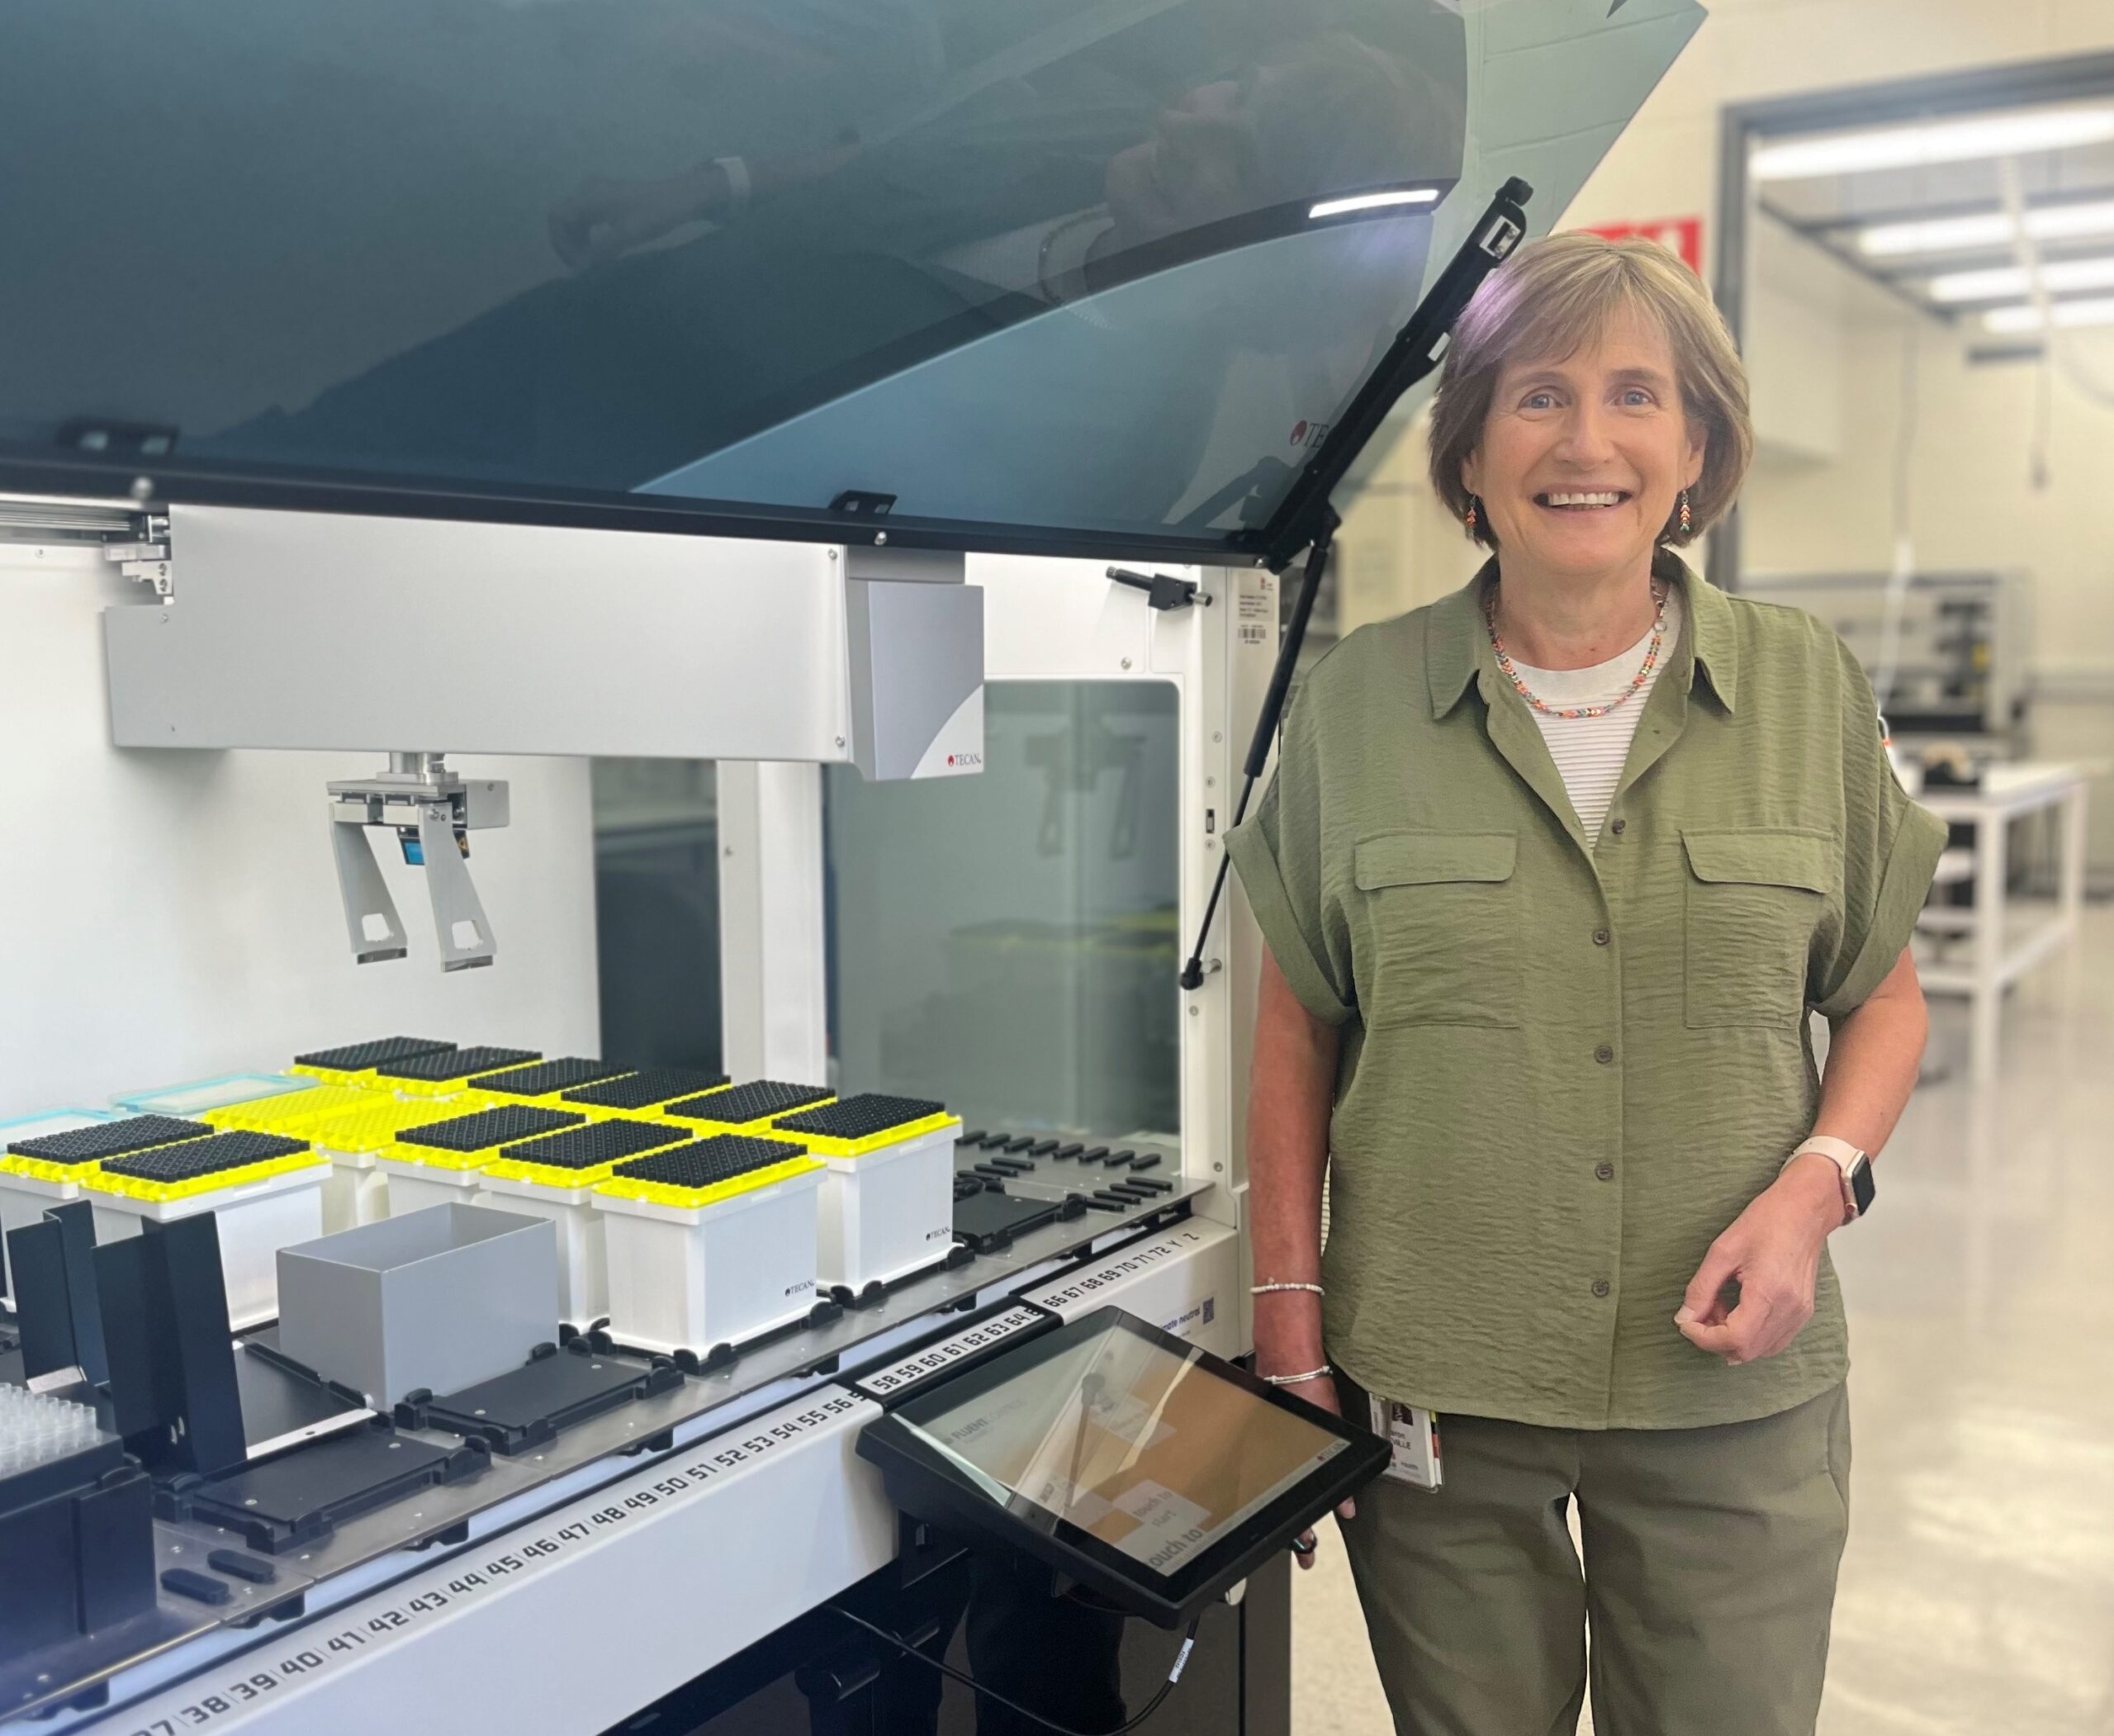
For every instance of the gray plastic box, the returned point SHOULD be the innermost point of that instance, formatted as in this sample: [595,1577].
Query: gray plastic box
[441,1298]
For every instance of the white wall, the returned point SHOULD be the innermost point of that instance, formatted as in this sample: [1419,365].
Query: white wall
[168,916]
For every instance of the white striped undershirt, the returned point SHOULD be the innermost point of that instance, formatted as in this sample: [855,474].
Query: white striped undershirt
[1590,752]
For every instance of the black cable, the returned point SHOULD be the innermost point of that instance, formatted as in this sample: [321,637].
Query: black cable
[1014,1706]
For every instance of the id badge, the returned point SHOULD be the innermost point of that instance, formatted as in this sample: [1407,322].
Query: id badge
[1412,1438]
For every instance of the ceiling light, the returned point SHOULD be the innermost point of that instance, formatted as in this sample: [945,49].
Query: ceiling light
[2012,280]
[2028,318]
[1987,228]
[2058,222]
[1936,235]
[1374,201]
[1938,141]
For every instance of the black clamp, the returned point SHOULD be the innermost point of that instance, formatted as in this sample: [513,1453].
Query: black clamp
[1161,591]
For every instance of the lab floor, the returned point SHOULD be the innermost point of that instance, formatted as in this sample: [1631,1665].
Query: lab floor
[1977,1593]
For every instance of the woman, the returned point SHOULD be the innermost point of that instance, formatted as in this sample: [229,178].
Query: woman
[1551,874]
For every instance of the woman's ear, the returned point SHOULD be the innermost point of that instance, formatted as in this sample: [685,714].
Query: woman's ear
[1471,474]
[1699,445]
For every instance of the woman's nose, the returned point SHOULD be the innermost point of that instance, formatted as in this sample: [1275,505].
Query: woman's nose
[1585,434]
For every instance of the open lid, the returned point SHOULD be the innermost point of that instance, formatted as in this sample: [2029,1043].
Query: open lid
[1055,275]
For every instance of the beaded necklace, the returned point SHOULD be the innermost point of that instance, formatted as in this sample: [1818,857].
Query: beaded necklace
[1636,683]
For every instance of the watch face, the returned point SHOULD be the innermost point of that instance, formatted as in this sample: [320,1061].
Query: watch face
[1862,1188]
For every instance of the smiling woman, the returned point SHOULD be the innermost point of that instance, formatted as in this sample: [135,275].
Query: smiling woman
[1546,921]
[1576,312]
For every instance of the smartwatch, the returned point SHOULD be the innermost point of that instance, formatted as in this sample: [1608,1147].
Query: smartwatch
[1858,1188]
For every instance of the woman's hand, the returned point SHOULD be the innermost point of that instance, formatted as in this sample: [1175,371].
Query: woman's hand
[1772,1252]
[1319,1393]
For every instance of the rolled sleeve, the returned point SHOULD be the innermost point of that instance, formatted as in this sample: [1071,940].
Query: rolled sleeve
[1278,853]
[1256,862]
[1890,853]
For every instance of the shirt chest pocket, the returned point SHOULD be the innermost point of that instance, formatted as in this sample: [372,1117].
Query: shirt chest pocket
[1443,928]
[1754,900]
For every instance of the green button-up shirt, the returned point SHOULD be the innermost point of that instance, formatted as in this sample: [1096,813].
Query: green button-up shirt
[1568,1065]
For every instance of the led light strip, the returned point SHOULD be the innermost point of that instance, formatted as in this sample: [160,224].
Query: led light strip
[1374,201]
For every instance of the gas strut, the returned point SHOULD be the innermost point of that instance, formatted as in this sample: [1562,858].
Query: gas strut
[1307,520]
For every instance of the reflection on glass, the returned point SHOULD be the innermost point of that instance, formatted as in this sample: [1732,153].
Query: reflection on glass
[657,911]
[1145,1450]
[597,244]
[1007,942]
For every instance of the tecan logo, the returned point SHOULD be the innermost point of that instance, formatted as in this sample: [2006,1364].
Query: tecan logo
[1309,434]
[964,759]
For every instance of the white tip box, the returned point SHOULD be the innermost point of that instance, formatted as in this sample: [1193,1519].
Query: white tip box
[692,1277]
[583,1259]
[887,1213]
[23,1198]
[255,1219]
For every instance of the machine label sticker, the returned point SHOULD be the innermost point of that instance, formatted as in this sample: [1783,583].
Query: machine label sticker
[898,1378]
[1255,615]
[1171,1245]
[331,1642]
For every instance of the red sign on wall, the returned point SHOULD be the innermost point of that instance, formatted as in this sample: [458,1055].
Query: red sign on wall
[1680,236]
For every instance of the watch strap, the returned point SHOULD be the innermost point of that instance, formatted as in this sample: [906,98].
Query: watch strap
[1854,1168]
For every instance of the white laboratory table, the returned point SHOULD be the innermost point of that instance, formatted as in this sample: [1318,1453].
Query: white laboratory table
[1998,958]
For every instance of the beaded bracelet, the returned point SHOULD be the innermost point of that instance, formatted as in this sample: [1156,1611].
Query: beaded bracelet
[1268,1289]
[1300,1380]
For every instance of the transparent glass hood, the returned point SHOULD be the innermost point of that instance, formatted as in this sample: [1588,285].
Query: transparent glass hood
[1053,268]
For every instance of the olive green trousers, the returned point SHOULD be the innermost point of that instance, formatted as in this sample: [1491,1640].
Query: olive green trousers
[1707,1582]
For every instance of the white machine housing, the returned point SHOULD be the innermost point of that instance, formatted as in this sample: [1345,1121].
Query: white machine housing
[277,631]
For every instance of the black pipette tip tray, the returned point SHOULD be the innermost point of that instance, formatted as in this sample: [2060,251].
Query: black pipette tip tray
[738,1106]
[531,1406]
[358,1057]
[302,1496]
[540,1079]
[644,1089]
[443,1065]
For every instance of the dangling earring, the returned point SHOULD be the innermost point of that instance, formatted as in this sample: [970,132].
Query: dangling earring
[1472,514]
[1685,521]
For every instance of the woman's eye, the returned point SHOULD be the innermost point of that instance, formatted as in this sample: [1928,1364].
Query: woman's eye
[1538,400]
[1636,397]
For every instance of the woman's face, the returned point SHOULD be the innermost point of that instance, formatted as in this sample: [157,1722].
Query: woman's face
[1581,459]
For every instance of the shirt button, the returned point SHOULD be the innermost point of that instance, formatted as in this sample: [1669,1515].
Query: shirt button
[1617,826]
[1604,1055]
[1601,1286]
[1600,937]
[1606,1172]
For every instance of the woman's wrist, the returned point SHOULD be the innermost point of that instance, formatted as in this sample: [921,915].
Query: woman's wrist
[1292,1345]
[1818,1183]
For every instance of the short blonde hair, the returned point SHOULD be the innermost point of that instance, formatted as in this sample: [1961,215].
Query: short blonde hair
[1550,300]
